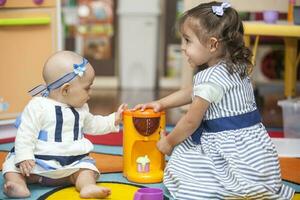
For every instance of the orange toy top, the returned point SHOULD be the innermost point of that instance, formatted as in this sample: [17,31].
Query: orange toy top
[144,114]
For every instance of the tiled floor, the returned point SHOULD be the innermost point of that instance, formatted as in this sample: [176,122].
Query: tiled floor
[107,101]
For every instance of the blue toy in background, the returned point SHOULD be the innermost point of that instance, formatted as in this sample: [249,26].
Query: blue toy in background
[3,105]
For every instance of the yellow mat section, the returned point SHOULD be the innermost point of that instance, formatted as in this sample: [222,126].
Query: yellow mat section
[119,192]
[296,197]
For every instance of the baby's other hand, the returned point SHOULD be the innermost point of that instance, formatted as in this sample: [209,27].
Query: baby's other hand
[119,112]
[163,145]
[154,104]
[26,167]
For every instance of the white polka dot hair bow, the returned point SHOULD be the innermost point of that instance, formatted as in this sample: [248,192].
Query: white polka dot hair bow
[219,10]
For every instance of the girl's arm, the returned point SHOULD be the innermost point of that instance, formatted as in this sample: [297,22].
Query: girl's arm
[179,98]
[185,127]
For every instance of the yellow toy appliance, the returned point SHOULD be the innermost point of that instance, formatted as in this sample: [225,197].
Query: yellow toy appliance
[142,161]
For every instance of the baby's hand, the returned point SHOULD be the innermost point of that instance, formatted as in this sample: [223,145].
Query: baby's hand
[163,145]
[26,167]
[118,117]
[154,104]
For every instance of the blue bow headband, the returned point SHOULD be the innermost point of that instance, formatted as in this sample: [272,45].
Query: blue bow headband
[44,90]
[219,10]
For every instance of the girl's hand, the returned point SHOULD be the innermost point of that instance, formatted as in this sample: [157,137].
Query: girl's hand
[154,104]
[26,167]
[118,118]
[163,145]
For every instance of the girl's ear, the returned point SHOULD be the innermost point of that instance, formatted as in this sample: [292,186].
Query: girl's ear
[64,89]
[213,44]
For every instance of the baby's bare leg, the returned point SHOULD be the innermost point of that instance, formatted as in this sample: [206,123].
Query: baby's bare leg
[85,182]
[15,185]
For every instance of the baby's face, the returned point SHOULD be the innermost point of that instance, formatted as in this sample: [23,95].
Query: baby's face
[80,89]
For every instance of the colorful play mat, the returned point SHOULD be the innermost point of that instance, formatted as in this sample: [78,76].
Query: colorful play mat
[119,191]
[108,156]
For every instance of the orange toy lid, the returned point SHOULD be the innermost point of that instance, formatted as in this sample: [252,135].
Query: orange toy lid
[145,113]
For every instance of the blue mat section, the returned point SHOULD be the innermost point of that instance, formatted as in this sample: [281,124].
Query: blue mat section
[112,150]
[7,146]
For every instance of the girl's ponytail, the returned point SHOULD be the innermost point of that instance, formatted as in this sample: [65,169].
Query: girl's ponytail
[239,56]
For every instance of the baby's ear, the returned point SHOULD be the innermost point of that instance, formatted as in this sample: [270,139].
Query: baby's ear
[64,89]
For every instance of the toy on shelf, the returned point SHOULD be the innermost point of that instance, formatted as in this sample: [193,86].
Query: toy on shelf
[142,161]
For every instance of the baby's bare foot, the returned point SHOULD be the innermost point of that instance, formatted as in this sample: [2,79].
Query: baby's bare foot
[94,191]
[16,190]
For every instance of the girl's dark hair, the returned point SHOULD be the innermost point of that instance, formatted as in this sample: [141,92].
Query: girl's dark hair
[229,31]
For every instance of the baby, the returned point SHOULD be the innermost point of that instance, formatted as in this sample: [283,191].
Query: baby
[50,147]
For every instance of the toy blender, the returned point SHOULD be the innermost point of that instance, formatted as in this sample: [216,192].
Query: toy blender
[142,161]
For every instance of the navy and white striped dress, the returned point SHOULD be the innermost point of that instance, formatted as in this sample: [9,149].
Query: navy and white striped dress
[51,133]
[229,164]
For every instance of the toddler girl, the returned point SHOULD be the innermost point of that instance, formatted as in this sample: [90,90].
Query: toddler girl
[223,151]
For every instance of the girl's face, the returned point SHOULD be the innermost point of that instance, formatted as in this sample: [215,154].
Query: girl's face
[80,88]
[196,52]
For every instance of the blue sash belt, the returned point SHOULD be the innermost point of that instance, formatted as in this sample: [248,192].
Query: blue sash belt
[227,123]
